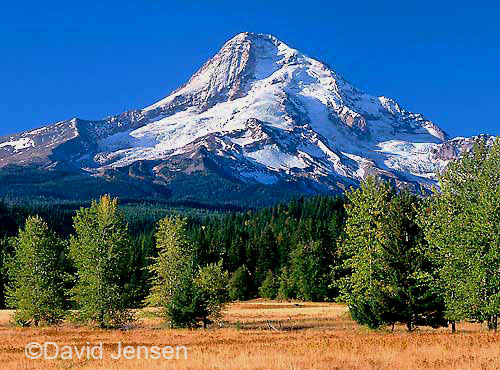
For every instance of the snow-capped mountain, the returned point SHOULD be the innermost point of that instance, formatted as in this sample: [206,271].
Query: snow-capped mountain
[259,114]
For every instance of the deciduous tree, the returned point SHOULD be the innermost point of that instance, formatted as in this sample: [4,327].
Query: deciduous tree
[462,225]
[175,256]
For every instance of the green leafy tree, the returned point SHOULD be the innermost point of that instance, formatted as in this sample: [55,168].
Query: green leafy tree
[175,256]
[99,252]
[36,278]
[462,225]
[3,270]
[269,287]
[212,282]
[391,275]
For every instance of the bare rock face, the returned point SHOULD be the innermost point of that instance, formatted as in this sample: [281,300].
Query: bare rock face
[447,151]
[259,113]
[454,148]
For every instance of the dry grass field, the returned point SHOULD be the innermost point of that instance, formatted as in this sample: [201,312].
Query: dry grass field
[307,336]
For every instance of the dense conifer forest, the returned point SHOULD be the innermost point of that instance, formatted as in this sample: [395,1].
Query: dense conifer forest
[390,255]
[253,242]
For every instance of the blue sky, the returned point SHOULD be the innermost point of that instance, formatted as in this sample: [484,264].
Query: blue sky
[96,58]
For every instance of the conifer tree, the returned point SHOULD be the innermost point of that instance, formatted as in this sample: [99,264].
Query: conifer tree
[390,277]
[36,276]
[239,284]
[267,255]
[286,288]
[186,293]
[269,287]
[185,307]
[99,252]
[310,270]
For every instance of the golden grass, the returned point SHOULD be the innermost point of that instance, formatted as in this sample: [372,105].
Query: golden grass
[311,336]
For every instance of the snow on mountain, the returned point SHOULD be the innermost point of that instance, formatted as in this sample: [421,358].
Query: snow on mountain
[261,112]
[20,144]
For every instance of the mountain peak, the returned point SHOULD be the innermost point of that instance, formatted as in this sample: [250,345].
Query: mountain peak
[247,56]
[252,36]
[260,44]
[257,112]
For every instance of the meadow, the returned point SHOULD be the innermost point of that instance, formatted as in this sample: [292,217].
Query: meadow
[262,334]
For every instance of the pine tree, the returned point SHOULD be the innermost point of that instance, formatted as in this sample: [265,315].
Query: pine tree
[186,306]
[267,255]
[99,252]
[286,288]
[411,269]
[269,287]
[198,296]
[239,284]
[310,270]
[36,277]
[391,277]
[186,293]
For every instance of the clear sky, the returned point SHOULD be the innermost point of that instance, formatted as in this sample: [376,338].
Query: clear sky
[91,59]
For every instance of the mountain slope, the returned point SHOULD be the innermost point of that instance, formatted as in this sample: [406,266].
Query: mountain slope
[258,122]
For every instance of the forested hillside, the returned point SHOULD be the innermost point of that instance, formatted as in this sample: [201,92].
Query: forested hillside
[277,239]
[390,255]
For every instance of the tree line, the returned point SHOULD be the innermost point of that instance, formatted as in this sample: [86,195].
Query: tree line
[391,256]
